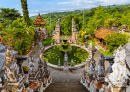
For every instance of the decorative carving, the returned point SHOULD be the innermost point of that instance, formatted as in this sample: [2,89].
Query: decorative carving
[74,31]
[31,67]
[56,33]
[92,68]
[101,67]
[118,76]
[87,65]
[11,68]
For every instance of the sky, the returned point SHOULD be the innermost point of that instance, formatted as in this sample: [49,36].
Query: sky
[46,6]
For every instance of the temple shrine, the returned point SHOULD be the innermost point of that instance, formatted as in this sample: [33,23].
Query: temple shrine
[56,33]
[40,32]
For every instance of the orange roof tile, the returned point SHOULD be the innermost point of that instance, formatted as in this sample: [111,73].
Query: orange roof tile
[102,32]
[39,21]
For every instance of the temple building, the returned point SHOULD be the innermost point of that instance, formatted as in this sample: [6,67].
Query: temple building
[40,32]
[74,32]
[101,34]
[56,33]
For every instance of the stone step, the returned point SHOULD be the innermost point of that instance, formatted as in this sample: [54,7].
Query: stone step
[66,87]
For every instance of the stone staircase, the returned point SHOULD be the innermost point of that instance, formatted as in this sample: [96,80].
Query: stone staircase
[66,87]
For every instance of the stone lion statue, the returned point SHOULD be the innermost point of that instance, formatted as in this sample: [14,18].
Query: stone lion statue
[119,66]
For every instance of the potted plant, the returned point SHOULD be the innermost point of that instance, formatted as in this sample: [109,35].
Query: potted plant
[25,68]
[26,85]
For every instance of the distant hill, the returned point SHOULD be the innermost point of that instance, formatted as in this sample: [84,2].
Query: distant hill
[93,18]
[59,14]
[62,14]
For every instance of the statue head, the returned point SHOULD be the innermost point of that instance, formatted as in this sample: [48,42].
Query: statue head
[9,51]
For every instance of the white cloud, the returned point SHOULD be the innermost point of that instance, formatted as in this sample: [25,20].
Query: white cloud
[43,6]
[77,2]
[92,2]
[62,9]
[111,2]
[63,3]
[36,10]
[17,5]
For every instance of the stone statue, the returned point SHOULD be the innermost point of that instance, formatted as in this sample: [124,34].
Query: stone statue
[90,47]
[59,65]
[31,66]
[92,68]
[9,56]
[72,63]
[11,68]
[101,67]
[119,67]
[65,59]
[87,65]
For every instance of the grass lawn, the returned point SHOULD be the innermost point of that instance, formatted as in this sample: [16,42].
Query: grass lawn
[106,53]
[93,43]
[63,36]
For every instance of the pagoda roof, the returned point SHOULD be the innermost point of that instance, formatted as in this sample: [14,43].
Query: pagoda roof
[39,20]
[102,32]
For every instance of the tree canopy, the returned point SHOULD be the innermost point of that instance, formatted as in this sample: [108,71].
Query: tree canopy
[8,15]
[115,40]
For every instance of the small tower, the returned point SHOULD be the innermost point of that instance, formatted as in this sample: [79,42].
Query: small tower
[39,21]
[39,31]
[74,31]
[56,33]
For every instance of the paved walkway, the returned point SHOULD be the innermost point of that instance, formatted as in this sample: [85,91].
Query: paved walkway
[99,47]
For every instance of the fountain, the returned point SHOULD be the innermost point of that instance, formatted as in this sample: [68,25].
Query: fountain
[65,46]
[56,54]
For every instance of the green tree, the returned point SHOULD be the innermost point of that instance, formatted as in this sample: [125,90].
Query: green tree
[81,35]
[19,36]
[25,12]
[115,40]
[8,15]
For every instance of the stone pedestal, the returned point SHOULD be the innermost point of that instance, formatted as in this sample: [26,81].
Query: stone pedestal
[15,87]
[112,87]
[117,79]
[66,67]
[85,81]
